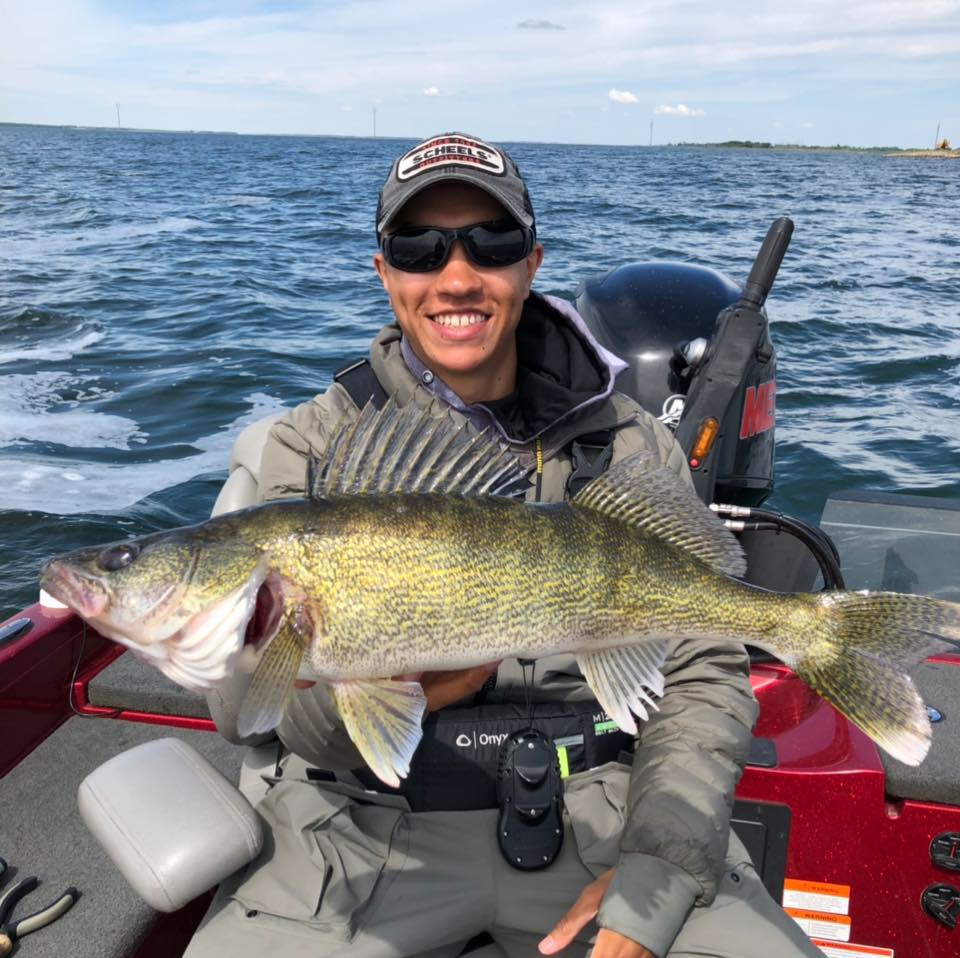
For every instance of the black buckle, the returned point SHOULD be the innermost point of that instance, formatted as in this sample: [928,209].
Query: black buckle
[530,794]
[587,467]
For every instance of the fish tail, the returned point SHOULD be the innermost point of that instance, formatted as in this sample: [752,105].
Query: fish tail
[861,650]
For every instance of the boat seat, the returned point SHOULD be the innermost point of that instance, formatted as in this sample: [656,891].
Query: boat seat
[240,489]
[42,833]
[936,778]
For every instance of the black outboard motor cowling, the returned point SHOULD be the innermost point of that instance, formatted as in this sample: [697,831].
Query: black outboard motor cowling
[698,350]
[647,314]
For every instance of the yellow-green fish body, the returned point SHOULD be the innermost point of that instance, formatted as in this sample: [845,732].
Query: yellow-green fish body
[405,560]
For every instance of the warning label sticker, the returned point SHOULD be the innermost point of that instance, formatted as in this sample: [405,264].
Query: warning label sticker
[819,924]
[836,949]
[816,896]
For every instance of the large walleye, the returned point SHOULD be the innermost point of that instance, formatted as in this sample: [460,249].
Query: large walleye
[409,556]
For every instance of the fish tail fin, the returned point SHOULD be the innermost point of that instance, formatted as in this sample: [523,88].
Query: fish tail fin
[858,660]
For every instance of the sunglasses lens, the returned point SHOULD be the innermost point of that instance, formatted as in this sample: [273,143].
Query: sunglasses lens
[422,249]
[497,244]
[416,250]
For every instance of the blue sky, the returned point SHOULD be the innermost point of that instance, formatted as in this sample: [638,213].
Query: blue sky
[858,72]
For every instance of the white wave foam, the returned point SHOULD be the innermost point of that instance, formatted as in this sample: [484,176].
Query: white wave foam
[51,351]
[70,487]
[26,414]
[242,199]
[14,250]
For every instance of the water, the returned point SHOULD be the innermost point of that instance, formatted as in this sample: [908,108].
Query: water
[160,291]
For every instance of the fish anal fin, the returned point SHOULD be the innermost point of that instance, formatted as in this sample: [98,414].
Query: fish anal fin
[659,502]
[382,718]
[625,679]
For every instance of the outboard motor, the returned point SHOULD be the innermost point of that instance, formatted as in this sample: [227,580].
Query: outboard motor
[701,360]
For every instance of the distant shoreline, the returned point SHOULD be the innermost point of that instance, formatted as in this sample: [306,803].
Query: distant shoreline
[839,148]
[724,145]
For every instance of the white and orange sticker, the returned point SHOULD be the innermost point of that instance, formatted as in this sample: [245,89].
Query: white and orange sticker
[838,949]
[821,924]
[816,896]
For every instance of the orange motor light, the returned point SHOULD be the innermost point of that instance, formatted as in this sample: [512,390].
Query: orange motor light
[706,435]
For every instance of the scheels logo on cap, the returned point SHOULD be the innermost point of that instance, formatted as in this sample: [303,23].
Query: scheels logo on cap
[447,150]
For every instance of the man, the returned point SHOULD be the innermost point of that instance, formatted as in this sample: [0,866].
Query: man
[647,851]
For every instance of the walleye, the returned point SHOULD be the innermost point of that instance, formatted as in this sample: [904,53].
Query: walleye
[411,555]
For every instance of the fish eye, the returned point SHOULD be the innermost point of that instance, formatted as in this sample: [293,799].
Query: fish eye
[117,557]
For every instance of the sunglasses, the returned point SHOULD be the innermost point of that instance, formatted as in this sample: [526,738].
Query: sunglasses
[421,249]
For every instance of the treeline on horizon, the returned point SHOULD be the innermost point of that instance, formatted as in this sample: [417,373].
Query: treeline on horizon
[764,145]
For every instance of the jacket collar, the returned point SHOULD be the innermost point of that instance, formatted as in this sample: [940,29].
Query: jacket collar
[564,377]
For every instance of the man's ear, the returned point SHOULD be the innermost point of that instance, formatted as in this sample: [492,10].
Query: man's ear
[380,265]
[533,262]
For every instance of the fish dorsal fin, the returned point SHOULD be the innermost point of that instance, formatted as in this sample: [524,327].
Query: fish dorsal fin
[661,504]
[408,449]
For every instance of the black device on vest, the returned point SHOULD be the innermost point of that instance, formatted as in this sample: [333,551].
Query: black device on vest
[530,796]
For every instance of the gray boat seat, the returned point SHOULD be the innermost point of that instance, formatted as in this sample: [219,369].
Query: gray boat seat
[240,489]
[170,822]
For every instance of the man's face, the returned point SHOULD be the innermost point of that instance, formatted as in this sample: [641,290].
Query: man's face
[460,319]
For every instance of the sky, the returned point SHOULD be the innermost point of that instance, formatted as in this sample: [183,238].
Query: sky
[813,72]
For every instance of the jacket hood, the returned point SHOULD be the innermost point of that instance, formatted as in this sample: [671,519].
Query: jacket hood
[561,371]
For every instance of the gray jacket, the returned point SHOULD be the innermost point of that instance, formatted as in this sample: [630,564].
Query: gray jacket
[689,754]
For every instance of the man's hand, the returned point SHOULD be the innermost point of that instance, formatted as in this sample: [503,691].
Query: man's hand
[440,688]
[610,944]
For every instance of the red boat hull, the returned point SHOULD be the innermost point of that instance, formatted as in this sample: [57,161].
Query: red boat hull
[845,833]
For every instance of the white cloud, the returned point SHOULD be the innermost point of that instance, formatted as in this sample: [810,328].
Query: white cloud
[808,125]
[681,109]
[535,24]
[432,91]
[622,96]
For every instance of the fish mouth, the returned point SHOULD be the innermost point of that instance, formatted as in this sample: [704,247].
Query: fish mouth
[84,595]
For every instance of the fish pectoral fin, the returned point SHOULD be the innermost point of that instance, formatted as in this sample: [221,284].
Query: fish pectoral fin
[625,678]
[272,683]
[382,718]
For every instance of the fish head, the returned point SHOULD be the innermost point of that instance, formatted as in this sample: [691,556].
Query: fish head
[180,599]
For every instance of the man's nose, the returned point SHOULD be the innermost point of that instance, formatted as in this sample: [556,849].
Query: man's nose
[459,276]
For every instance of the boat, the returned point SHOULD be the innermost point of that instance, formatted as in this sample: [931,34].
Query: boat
[863,851]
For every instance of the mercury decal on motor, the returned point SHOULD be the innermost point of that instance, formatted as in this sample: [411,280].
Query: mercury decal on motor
[759,409]
[446,150]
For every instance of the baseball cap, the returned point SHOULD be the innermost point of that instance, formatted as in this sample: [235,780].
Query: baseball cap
[455,157]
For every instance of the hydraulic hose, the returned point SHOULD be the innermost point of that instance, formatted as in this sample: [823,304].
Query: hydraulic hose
[816,540]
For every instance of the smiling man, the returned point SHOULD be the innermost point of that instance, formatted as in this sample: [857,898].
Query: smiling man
[643,861]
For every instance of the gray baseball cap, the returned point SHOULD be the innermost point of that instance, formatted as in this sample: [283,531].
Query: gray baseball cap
[459,157]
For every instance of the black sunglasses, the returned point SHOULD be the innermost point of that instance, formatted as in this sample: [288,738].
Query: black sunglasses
[421,249]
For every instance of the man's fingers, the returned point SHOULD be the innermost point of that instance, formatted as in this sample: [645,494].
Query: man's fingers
[584,910]
[445,688]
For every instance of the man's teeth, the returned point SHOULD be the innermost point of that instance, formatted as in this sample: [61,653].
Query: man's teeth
[460,319]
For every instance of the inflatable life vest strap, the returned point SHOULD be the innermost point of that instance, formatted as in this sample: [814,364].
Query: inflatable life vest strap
[361,383]
[590,455]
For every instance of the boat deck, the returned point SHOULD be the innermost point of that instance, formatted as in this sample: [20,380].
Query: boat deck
[41,833]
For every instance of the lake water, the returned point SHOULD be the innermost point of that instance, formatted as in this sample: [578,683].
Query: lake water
[159,291]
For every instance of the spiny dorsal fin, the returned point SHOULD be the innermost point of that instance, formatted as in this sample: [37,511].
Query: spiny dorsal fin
[407,449]
[661,504]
